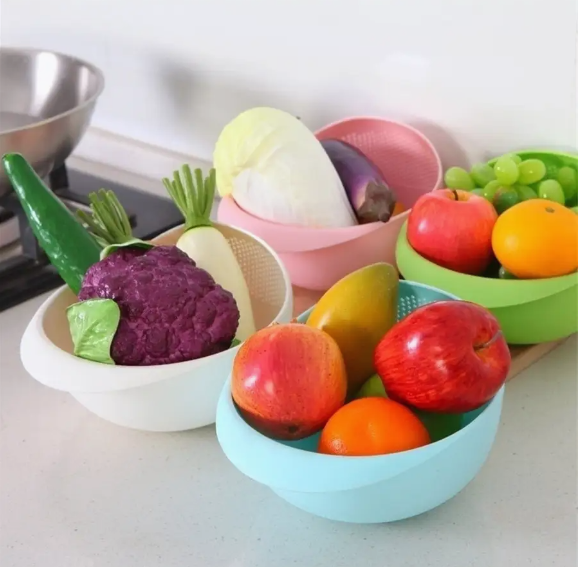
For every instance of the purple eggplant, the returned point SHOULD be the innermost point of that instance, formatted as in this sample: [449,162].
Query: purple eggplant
[371,198]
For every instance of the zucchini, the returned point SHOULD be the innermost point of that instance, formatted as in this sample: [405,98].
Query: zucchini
[70,248]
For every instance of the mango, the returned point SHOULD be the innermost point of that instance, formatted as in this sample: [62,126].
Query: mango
[357,311]
[372,388]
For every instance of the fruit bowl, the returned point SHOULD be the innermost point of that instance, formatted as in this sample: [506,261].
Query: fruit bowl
[170,397]
[529,311]
[374,489]
[317,258]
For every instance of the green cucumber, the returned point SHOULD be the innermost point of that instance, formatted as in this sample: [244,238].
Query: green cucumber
[70,248]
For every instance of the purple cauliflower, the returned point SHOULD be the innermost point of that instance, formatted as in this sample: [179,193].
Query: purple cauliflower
[171,310]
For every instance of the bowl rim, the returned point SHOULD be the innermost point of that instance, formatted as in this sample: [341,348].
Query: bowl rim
[96,72]
[538,150]
[233,431]
[36,344]
[412,129]
[508,293]
[425,448]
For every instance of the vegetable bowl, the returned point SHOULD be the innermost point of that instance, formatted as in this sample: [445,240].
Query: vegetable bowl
[373,488]
[315,257]
[168,397]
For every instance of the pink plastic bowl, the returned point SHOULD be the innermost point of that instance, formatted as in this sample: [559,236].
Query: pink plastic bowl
[316,258]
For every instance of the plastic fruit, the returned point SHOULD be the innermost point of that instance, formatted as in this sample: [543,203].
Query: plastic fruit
[491,189]
[531,171]
[458,178]
[567,178]
[503,274]
[288,380]
[453,229]
[446,357]
[478,191]
[515,157]
[551,190]
[372,426]
[357,311]
[482,174]
[372,388]
[506,170]
[505,198]
[537,239]
[525,192]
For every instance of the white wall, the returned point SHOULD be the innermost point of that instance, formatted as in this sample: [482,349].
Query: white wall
[478,76]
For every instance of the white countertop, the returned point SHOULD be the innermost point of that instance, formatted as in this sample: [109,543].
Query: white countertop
[76,491]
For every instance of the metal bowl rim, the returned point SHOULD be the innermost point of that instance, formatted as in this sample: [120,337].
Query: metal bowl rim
[97,73]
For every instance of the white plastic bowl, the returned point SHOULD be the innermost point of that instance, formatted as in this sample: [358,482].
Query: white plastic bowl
[171,397]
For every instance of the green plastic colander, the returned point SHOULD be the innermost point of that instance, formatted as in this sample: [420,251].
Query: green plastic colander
[529,311]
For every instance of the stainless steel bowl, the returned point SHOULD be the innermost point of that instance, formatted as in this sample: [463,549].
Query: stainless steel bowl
[46,104]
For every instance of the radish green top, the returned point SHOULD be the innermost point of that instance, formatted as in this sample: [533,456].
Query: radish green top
[195,197]
[109,223]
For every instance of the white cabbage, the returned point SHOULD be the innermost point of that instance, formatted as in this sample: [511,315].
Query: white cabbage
[276,169]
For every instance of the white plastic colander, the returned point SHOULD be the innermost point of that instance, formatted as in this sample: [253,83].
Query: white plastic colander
[171,397]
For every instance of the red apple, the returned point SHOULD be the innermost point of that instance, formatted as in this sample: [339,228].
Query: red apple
[288,380]
[447,356]
[453,229]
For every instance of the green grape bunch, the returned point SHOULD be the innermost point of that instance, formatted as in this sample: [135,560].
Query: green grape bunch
[510,180]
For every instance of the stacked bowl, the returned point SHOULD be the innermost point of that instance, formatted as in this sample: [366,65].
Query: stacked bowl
[316,258]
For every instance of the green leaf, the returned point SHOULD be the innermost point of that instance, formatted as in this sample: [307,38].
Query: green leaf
[136,242]
[234,343]
[93,324]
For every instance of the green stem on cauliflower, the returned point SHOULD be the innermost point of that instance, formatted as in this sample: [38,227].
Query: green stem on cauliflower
[194,198]
[109,223]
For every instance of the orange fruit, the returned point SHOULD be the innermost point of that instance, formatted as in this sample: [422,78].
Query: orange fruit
[398,209]
[372,426]
[537,239]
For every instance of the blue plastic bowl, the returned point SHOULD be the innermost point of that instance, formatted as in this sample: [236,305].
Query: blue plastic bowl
[378,489]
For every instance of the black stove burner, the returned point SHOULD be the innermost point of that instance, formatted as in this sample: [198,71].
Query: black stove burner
[29,273]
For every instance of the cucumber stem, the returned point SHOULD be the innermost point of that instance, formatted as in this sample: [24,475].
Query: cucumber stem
[108,222]
[194,198]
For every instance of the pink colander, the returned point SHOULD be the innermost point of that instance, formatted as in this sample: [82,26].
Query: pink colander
[316,258]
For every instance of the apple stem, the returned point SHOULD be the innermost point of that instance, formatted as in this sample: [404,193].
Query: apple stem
[488,343]
[457,197]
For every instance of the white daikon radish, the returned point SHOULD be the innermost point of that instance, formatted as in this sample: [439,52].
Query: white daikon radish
[275,169]
[204,244]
